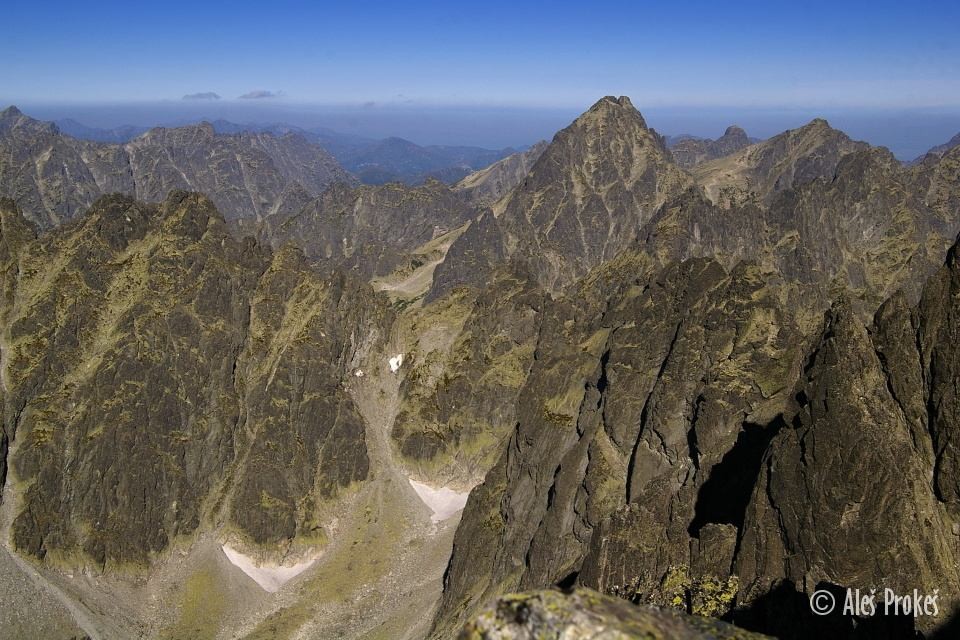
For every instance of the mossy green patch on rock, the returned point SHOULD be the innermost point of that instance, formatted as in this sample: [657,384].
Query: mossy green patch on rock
[552,615]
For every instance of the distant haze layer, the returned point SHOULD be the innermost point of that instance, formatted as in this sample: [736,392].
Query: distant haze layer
[906,132]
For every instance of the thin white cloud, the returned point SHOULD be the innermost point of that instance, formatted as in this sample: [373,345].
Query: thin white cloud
[260,94]
[205,95]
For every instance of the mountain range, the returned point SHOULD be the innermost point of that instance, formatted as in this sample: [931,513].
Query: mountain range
[54,177]
[372,161]
[662,381]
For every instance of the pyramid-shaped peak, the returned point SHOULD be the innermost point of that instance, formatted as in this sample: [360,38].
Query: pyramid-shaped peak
[10,112]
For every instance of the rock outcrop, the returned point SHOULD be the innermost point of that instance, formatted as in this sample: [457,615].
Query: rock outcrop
[552,615]
[690,152]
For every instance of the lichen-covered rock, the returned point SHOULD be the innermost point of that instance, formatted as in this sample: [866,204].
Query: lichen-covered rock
[843,496]
[304,435]
[160,374]
[638,404]
[583,614]
[459,399]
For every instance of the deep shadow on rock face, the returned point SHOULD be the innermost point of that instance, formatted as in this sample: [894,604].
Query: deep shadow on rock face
[785,613]
[724,497]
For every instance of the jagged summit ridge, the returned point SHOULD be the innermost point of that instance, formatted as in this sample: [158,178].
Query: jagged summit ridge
[55,177]
[764,169]
[614,105]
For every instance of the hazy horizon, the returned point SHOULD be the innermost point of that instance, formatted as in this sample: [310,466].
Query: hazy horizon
[908,133]
[508,75]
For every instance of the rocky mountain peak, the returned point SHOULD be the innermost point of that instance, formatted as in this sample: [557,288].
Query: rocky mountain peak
[10,112]
[789,159]
[689,152]
[609,107]
[734,131]
[12,118]
[583,201]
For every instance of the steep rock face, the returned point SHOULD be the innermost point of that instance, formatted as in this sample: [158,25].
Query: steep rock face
[587,196]
[938,329]
[108,312]
[787,160]
[373,229]
[54,177]
[15,233]
[243,174]
[308,333]
[844,496]
[298,161]
[552,615]
[937,185]
[690,152]
[700,449]
[862,228]
[145,388]
[458,400]
[492,183]
[471,258]
[639,403]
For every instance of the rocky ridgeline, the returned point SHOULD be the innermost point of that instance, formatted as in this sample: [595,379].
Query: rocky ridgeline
[54,177]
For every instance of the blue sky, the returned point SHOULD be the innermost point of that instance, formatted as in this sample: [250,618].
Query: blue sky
[551,57]
[540,54]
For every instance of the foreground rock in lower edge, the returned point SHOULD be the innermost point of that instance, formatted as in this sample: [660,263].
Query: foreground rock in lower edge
[587,614]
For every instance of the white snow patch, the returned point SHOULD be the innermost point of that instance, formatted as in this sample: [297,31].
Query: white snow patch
[396,362]
[358,373]
[269,576]
[444,502]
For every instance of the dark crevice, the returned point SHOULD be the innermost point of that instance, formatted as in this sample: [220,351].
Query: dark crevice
[646,408]
[724,497]
[692,446]
[569,581]
[602,380]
